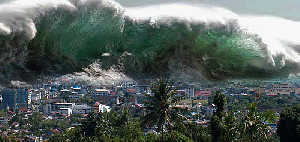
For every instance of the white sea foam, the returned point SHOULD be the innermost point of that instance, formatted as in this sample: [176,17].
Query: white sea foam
[17,17]
[277,33]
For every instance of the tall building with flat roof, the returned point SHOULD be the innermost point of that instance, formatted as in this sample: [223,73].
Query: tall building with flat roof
[14,99]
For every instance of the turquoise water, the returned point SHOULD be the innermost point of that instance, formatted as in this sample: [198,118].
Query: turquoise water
[221,51]
[68,41]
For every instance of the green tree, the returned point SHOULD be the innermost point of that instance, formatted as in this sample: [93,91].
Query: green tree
[35,123]
[223,126]
[89,125]
[126,127]
[219,102]
[160,107]
[289,125]
[197,133]
[252,124]
[102,127]
[216,124]
[3,113]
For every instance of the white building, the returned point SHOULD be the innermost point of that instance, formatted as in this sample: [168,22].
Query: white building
[64,105]
[101,92]
[1,97]
[104,108]
[34,95]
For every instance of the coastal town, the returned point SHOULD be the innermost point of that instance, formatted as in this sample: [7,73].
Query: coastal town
[67,100]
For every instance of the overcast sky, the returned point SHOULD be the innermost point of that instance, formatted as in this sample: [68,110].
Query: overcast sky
[289,9]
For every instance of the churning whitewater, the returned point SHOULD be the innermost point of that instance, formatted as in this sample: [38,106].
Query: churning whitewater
[63,36]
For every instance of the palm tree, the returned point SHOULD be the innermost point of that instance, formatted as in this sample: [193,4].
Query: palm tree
[160,109]
[253,127]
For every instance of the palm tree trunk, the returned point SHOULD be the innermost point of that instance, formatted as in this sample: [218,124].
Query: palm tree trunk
[162,133]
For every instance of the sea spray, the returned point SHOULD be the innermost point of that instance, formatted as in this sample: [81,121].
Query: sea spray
[162,40]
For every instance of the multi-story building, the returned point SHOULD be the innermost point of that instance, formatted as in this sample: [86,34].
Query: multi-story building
[14,98]
[129,84]
[96,107]
[57,106]
[76,92]
[75,96]
[65,111]
[47,109]
[81,109]
[190,91]
[143,87]
[203,94]
[34,95]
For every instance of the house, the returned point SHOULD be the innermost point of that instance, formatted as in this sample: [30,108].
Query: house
[203,94]
[4,120]
[57,106]
[132,91]
[96,107]
[209,109]
[65,92]
[65,111]
[101,92]
[75,96]
[104,108]
[190,91]
[82,109]
[129,84]
[143,87]
[180,92]
[47,109]
[76,89]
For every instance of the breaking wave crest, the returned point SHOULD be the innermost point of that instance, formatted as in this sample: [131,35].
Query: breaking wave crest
[61,36]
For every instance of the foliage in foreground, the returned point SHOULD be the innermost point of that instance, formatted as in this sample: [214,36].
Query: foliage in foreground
[289,125]
[111,127]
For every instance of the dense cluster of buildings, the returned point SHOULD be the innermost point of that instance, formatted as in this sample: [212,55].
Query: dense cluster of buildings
[53,94]
[68,97]
[65,97]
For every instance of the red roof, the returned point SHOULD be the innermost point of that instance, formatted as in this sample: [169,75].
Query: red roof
[132,90]
[202,93]
[271,94]
[23,110]
[139,105]
[55,130]
[14,123]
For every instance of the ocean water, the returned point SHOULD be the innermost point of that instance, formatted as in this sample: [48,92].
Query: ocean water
[147,39]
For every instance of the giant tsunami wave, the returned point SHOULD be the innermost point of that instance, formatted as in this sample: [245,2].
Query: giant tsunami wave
[64,36]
